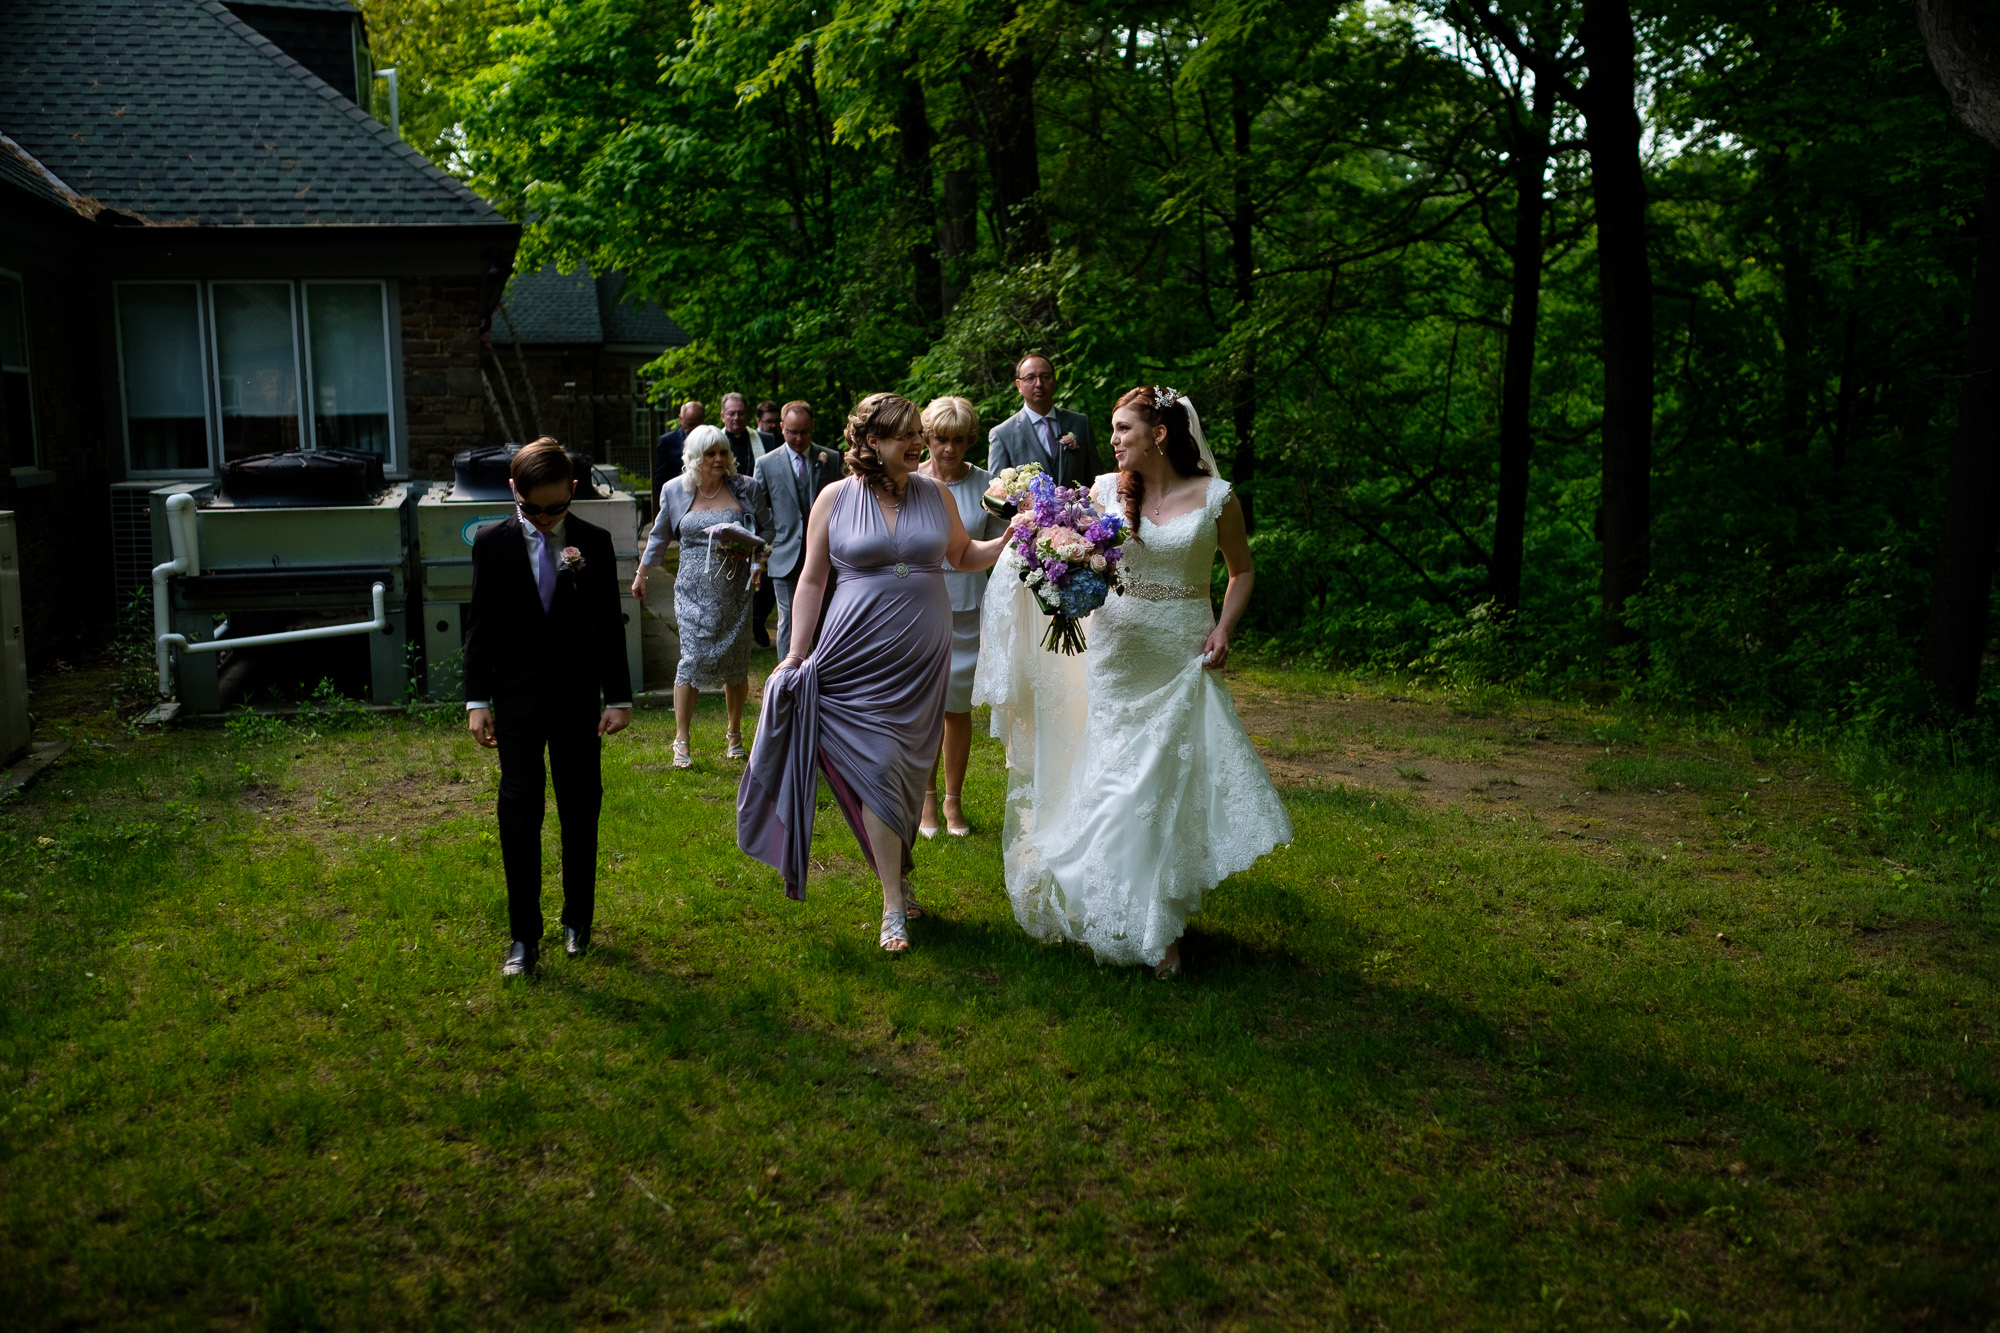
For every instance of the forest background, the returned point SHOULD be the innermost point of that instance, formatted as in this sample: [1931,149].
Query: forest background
[1549,341]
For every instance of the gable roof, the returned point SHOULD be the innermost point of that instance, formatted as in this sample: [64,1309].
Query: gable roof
[634,321]
[176,112]
[20,171]
[552,307]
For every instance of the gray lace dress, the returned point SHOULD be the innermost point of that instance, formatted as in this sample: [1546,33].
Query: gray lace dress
[712,600]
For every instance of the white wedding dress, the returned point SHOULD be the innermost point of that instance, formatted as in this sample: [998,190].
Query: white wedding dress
[1132,786]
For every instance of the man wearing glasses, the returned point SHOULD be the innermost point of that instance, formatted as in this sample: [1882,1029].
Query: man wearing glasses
[1041,432]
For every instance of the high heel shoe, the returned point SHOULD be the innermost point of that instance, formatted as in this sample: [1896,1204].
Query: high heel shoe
[927,826]
[683,758]
[735,750]
[958,828]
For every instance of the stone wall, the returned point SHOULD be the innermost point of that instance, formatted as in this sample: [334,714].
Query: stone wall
[443,322]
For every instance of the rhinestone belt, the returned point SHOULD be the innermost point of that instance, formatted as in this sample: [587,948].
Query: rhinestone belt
[1162,592]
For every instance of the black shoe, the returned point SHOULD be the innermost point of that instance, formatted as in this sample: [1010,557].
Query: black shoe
[521,961]
[576,943]
[763,640]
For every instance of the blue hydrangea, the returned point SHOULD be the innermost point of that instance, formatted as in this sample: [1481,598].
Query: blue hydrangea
[1083,593]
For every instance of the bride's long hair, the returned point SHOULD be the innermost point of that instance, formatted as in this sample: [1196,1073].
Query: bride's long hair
[1183,454]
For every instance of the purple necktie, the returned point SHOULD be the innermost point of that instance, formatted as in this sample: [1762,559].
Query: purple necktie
[548,571]
[1049,428]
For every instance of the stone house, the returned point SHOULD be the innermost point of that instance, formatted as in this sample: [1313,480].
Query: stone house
[208,249]
[570,350]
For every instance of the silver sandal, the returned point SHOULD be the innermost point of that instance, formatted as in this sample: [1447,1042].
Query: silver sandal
[895,936]
[736,750]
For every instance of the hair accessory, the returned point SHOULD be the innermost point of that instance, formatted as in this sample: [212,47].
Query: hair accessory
[1165,397]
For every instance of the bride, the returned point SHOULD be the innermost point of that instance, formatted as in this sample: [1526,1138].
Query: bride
[1132,786]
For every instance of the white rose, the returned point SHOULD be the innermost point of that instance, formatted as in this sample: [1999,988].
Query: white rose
[1097,562]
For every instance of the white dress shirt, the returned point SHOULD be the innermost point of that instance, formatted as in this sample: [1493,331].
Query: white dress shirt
[531,541]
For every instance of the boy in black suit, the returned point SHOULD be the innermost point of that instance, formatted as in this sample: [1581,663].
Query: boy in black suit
[544,646]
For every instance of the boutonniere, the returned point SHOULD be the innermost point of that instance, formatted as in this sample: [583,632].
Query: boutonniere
[570,561]
[1068,442]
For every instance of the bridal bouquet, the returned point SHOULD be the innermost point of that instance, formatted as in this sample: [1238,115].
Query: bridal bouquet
[1009,488]
[1069,552]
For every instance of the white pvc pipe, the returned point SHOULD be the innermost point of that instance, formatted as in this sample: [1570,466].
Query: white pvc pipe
[378,624]
[182,531]
[162,619]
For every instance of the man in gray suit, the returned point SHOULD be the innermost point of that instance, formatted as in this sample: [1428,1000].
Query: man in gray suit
[1041,432]
[793,477]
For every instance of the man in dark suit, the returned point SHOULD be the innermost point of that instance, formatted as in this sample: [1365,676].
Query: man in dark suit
[545,669]
[793,476]
[667,461]
[766,596]
[1057,438]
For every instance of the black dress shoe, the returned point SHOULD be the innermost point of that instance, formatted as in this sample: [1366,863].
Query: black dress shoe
[576,943]
[520,962]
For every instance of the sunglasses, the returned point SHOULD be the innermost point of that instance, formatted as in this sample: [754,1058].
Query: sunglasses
[536,511]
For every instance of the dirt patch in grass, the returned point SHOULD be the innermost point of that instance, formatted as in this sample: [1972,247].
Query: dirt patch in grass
[1511,767]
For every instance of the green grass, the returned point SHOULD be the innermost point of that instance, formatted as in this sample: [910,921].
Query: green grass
[1654,773]
[1427,1069]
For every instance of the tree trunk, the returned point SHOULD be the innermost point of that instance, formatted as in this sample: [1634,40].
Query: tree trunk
[1242,232]
[1625,303]
[1962,51]
[913,125]
[956,232]
[1955,634]
[1510,518]
[1004,92]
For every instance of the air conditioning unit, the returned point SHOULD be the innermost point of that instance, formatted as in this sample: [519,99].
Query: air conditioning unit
[13,650]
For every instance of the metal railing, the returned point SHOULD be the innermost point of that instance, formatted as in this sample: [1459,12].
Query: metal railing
[183,531]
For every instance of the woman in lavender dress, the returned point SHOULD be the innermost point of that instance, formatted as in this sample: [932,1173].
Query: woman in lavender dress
[861,697]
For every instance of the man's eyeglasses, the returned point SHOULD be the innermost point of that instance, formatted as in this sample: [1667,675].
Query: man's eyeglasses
[1039,377]
[536,511]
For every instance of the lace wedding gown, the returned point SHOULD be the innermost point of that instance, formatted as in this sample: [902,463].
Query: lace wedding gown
[1132,786]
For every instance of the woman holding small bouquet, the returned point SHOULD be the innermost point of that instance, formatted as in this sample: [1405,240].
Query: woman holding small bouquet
[1133,788]
[861,696]
[951,426]
[717,517]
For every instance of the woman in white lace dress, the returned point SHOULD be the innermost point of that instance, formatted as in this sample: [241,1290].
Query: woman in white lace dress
[1132,786]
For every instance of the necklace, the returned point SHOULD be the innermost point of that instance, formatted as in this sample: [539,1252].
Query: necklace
[707,494]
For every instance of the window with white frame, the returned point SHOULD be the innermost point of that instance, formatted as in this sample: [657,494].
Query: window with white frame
[220,370]
[17,389]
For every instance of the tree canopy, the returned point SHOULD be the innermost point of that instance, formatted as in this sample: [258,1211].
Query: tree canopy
[1530,331]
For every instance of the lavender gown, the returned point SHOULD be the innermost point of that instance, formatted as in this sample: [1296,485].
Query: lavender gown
[867,707]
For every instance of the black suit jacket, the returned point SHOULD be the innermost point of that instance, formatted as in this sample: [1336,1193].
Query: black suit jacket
[667,461]
[568,658]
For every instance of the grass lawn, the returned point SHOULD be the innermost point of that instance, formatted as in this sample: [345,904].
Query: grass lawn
[1551,1017]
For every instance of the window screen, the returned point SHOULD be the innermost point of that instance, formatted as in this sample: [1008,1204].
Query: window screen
[256,368]
[166,422]
[348,351]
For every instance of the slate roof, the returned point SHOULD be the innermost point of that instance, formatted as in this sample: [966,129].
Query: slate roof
[635,322]
[548,306]
[20,171]
[178,112]
[323,6]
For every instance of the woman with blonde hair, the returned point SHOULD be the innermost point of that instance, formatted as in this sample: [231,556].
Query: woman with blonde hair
[717,584]
[951,428]
[861,695]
